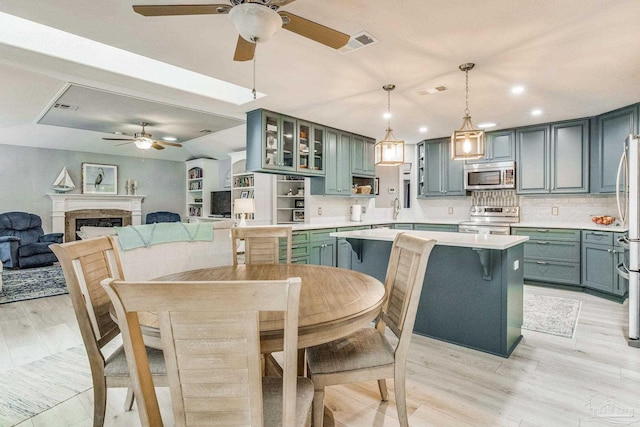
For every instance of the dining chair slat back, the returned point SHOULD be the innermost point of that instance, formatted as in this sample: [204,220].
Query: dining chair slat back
[262,244]
[367,354]
[211,340]
[85,263]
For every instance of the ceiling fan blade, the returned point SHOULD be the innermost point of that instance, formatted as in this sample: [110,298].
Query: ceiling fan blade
[124,143]
[182,9]
[244,50]
[171,144]
[118,139]
[281,3]
[314,31]
[157,146]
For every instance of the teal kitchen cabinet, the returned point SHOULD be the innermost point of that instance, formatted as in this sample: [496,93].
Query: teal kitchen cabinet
[400,226]
[345,253]
[500,147]
[438,175]
[551,255]
[322,247]
[310,159]
[362,156]
[271,142]
[609,133]
[553,158]
[436,227]
[337,179]
[600,256]
[299,248]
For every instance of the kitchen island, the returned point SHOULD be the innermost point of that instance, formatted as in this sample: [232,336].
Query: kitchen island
[472,293]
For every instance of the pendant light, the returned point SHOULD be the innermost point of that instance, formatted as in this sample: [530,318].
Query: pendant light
[467,143]
[389,151]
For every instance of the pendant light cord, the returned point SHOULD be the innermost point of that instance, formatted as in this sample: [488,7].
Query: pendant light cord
[466,110]
[254,75]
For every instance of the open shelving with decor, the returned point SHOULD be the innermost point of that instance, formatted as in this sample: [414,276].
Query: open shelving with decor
[290,205]
[202,179]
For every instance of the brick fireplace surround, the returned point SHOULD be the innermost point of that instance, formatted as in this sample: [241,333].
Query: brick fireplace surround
[67,208]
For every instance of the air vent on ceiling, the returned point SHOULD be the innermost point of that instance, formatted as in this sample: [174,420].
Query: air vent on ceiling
[206,131]
[432,90]
[65,107]
[358,41]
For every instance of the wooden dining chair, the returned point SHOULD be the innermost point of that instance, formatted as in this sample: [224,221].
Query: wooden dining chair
[85,263]
[211,339]
[366,354]
[261,244]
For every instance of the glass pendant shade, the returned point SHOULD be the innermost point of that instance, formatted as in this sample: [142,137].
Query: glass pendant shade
[255,23]
[389,151]
[467,143]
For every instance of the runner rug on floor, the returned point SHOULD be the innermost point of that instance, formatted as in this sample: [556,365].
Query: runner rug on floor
[551,315]
[30,283]
[33,388]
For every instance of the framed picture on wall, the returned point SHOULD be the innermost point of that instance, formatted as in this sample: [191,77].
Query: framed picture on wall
[376,186]
[99,179]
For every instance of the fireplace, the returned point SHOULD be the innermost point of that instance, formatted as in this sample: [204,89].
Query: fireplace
[95,210]
[73,220]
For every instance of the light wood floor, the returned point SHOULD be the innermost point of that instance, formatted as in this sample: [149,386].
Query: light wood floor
[548,381]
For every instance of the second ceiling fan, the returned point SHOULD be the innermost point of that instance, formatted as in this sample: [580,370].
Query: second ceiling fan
[256,21]
[143,140]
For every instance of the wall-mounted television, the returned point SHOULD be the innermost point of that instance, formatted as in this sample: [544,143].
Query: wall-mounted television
[221,204]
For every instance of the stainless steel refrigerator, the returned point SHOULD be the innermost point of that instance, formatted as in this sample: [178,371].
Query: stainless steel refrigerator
[629,211]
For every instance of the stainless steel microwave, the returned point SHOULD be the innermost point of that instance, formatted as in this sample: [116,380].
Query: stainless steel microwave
[490,176]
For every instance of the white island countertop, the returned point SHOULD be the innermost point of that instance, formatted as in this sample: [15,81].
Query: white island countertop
[465,240]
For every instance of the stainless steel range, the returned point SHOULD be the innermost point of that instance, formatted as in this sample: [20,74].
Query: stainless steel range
[492,212]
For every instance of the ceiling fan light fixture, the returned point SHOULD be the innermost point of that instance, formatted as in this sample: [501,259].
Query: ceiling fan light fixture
[389,151]
[143,142]
[467,143]
[254,22]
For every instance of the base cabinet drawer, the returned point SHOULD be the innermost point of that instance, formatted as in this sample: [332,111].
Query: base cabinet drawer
[556,250]
[552,271]
[436,227]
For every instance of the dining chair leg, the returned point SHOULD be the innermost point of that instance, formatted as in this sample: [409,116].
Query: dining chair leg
[401,397]
[384,394]
[99,401]
[318,408]
[128,401]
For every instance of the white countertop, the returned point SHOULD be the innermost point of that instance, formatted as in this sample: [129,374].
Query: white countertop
[481,241]
[574,225]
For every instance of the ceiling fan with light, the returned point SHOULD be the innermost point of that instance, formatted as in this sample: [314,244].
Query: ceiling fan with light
[143,140]
[255,20]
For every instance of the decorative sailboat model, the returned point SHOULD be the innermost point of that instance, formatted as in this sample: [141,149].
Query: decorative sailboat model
[63,182]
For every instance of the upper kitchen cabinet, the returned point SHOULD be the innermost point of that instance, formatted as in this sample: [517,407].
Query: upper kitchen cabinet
[272,142]
[362,156]
[310,148]
[438,175]
[609,133]
[337,179]
[553,158]
[500,147]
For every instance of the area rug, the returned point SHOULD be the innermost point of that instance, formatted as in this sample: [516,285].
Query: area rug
[31,283]
[28,390]
[551,315]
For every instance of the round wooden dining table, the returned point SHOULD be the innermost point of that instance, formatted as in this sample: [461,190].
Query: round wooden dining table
[334,302]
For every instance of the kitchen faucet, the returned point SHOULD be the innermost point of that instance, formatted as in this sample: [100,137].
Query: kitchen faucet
[396,208]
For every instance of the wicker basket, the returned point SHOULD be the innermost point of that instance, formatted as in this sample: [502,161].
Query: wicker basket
[365,189]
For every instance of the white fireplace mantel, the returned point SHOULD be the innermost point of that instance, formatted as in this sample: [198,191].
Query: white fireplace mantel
[65,202]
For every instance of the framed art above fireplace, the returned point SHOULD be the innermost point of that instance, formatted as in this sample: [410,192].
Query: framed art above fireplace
[99,178]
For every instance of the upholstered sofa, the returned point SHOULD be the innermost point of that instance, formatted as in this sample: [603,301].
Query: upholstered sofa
[145,263]
[162,216]
[23,243]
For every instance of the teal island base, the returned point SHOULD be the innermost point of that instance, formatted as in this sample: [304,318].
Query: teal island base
[471,297]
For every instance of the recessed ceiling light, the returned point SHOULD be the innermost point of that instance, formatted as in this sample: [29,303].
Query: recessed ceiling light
[536,112]
[486,125]
[387,115]
[516,90]
[423,129]
[169,138]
